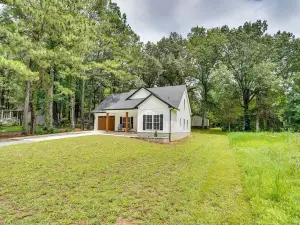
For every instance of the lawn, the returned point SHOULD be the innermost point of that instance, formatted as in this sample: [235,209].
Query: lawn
[210,178]
[12,129]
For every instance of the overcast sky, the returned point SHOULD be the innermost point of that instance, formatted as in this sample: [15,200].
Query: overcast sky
[153,19]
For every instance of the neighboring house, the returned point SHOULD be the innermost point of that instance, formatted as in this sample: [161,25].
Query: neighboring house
[15,116]
[165,110]
[197,122]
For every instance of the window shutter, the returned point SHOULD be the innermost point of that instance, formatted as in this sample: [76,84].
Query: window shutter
[161,122]
[121,121]
[144,122]
[131,121]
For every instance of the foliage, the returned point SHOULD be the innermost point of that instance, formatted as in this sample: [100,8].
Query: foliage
[270,164]
[11,129]
[46,130]
[155,133]
[63,58]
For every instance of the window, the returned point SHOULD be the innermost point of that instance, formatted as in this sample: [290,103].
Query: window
[184,104]
[123,122]
[187,124]
[153,122]
[148,122]
[183,123]
[156,122]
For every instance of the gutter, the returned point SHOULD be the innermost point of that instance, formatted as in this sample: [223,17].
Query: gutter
[170,131]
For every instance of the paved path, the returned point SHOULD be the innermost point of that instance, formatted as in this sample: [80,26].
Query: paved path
[32,139]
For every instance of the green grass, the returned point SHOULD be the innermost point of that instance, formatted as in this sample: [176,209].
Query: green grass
[271,175]
[12,129]
[210,178]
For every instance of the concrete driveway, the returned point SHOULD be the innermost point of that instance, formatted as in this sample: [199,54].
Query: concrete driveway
[48,137]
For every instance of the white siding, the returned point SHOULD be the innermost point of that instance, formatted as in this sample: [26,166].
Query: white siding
[183,115]
[154,106]
[142,93]
[131,113]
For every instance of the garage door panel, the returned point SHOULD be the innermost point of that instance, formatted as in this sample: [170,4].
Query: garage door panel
[102,123]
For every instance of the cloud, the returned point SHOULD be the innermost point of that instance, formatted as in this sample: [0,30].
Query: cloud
[153,19]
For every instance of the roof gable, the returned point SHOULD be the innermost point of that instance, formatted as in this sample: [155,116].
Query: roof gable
[139,93]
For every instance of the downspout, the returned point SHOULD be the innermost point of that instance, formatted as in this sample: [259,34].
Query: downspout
[170,131]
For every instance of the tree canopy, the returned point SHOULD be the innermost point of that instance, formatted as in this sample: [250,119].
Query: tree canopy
[63,58]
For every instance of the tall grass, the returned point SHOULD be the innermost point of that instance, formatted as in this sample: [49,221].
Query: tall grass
[271,172]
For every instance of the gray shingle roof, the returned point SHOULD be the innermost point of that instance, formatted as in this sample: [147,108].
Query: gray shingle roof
[171,95]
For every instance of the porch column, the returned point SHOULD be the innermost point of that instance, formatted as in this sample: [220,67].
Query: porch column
[107,121]
[126,121]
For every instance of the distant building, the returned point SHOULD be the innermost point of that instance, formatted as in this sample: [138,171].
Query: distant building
[197,122]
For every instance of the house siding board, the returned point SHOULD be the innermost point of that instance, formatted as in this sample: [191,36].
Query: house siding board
[131,113]
[142,93]
[153,106]
[182,114]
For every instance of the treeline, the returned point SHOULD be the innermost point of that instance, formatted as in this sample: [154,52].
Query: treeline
[62,58]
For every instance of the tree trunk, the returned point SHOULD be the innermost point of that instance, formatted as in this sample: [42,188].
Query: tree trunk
[257,123]
[229,127]
[82,104]
[247,119]
[33,116]
[247,122]
[3,98]
[90,114]
[73,111]
[26,107]
[203,118]
[61,113]
[50,98]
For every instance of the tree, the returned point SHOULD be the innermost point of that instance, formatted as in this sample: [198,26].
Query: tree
[205,52]
[247,58]
[226,105]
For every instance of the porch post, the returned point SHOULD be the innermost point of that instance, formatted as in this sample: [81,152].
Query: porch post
[126,121]
[107,121]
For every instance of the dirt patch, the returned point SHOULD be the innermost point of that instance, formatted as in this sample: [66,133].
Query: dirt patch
[126,222]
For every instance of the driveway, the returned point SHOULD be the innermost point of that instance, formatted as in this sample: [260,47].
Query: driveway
[48,137]
[32,139]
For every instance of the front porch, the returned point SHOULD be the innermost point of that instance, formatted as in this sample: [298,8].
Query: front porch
[117,121]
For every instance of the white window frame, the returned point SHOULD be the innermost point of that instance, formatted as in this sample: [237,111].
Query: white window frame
[156,122]
[149,122]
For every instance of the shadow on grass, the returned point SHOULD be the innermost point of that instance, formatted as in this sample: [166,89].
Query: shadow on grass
[216,131]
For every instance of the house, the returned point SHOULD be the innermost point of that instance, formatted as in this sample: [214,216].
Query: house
[15,116]
[147,111]
[197,122]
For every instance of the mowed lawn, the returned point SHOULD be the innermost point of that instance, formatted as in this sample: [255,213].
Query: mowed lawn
[210,178]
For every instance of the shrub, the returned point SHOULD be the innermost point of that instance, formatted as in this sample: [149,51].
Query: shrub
[68,129]
[155,134]
[46,130]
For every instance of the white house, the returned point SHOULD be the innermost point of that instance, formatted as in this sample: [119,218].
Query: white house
[165,110]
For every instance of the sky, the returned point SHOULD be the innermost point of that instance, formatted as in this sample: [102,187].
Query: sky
[154,19]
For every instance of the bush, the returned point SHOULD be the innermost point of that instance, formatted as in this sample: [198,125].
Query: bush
[68,129]
[46,130]
[155,134]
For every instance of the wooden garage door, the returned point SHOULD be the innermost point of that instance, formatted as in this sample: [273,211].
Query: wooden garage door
[102,123]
